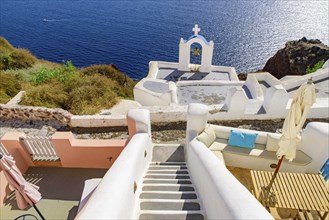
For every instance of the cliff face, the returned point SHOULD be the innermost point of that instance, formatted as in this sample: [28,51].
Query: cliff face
[296,56]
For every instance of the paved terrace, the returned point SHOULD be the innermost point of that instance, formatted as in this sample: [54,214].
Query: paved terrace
[61,189]
[175,75]
[209,95]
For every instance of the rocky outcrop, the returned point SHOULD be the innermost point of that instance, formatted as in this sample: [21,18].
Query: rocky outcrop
[296,56]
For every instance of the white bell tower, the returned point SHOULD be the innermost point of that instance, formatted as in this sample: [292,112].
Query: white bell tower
[185,49]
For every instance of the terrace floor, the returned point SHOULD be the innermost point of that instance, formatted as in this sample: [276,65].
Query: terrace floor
[175,75]
[61,189]
[209,95]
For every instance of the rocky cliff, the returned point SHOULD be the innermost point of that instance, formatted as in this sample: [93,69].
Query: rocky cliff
[296,56]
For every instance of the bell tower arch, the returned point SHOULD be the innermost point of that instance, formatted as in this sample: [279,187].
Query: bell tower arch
[185,52]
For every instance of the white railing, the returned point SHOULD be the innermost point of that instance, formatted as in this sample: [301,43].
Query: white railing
[40,148]
[116,195]
[3,150]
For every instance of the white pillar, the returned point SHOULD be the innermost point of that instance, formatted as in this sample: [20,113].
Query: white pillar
[206,60]
[197,116]
[184,56]
[139,121]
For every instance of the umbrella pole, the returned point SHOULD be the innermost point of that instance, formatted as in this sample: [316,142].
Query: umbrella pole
[267,197]
[36,209]
[275,173]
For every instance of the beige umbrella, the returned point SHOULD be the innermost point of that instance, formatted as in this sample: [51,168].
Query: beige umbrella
[300,106]
[26,193]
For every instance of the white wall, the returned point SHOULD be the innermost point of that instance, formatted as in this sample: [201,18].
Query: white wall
[254,87]
[315,143]
[150,91]
[222,195]
[114,198]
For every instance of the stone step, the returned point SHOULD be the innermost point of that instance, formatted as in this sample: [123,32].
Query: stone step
[167,167]
[167,172]
[167,176]
[166,187]
[167,195]
[171,204]
[171,215]
[167,181]
[168,163]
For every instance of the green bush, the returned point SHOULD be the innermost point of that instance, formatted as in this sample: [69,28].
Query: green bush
[62,74]
[316,66]
[22,58]
[90,94]
[110,71]
[9,87]
[52,95]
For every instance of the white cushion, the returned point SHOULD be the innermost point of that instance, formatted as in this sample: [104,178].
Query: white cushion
[272,142]
[207,137]
[255,152]
[219,144]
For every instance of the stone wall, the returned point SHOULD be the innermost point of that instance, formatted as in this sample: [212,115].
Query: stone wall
[35,113]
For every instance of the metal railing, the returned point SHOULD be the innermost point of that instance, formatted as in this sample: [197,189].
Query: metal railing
[40,148]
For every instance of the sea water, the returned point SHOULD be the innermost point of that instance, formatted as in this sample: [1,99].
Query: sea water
[130,33]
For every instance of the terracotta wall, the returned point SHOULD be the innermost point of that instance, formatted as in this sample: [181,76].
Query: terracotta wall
[86,153]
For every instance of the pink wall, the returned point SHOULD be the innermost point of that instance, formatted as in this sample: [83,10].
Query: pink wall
[72,152]
[86,153]
[16,149]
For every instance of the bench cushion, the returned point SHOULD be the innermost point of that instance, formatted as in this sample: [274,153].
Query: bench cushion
[273,142]
[241,139]
[221,144]
[207,137]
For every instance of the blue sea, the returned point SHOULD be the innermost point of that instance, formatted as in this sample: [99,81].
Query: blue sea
[130,33]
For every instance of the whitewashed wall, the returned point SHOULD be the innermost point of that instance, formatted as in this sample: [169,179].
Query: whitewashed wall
[315,143]
[222,195]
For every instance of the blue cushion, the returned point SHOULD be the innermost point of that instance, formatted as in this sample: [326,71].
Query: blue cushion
[240,139]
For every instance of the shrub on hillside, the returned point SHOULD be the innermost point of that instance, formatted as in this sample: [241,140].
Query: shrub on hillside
[110,71]
[90,94]
[5,46]
[9,87]
[50,95]
[62,74]
[17,59]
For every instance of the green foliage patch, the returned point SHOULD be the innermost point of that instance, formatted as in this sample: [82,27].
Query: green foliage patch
[316,66]
[62,74]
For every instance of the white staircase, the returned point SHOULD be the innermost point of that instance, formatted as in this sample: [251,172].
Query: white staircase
[168,193]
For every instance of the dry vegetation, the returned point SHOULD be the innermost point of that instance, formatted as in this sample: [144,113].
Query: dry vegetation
[80,91]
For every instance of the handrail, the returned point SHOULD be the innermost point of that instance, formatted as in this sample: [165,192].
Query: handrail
[116,195]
